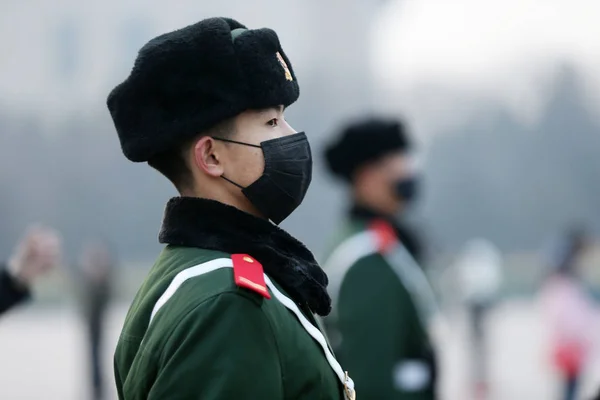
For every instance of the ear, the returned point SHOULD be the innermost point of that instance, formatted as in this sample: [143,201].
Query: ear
[206,157]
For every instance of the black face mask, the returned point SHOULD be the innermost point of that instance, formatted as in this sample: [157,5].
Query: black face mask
[285,180]
[407,188]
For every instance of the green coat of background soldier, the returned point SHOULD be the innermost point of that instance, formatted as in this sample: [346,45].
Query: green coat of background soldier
[381,297]
[227,310]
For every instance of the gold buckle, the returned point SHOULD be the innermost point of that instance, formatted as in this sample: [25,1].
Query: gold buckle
[349,393]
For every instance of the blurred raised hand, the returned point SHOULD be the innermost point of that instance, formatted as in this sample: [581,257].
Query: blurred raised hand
[37,253]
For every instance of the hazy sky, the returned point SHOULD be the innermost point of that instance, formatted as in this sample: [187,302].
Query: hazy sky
[56,56]
[426,53]
[505,50]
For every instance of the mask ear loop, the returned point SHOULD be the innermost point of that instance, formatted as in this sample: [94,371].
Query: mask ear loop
[232,182]
[235,142]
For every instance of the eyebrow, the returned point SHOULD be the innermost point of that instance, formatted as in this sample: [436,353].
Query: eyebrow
[279,109]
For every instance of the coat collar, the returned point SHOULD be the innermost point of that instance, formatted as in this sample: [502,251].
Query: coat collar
[211,225]
[407,235]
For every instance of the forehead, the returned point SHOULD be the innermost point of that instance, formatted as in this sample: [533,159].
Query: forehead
[393,164]
[394,161]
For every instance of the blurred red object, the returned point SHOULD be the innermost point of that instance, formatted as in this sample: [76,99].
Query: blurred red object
[569,358]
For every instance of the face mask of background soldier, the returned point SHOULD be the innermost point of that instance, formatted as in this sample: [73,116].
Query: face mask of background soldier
[205,105]
[377,326]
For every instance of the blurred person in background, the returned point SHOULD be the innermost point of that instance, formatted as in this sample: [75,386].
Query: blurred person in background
[570,310]
[227,310]
[95,287]
[36,254]
[479,271]
[381,298]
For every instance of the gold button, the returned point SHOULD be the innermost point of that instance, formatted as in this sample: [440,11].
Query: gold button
[248,259]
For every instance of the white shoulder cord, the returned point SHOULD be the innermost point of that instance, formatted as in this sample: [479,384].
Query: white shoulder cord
[345,255]
[312,331]
[363,244]
[213,265]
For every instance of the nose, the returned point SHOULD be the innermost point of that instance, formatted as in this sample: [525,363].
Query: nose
[288,129]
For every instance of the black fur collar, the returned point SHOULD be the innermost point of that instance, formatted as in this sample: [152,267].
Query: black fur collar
[211,225]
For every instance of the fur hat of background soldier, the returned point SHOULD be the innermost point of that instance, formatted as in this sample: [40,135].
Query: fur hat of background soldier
[186,81]
[363,142]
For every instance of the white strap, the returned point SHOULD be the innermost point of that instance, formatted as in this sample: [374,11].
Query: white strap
[415,281]
[186,274]
[401,262]
[312,331]
[213,265]
[345,255]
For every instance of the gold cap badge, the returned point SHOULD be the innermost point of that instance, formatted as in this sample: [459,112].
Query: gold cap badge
[288,74]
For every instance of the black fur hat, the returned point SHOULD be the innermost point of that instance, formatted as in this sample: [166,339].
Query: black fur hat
[363,142]
[184,82]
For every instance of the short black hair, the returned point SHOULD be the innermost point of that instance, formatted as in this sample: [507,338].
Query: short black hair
[172,163]
[173,166]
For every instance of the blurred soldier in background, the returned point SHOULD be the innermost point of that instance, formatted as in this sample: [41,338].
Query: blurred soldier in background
[34,256]
[97,264]
[480,274]
[570,310]
[381,297]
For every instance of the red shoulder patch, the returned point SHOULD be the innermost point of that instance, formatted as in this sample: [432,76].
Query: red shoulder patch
[385,233]
[248,273]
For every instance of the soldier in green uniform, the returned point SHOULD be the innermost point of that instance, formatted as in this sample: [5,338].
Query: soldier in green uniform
[381,298]
[227,310]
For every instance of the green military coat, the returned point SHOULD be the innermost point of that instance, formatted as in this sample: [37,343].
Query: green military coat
[377,327]
[196,331]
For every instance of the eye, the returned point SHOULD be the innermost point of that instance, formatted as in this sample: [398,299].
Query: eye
[273,123]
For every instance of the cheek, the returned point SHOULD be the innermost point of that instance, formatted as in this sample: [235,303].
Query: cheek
[250,166]
[395,172]
[383,183]
[375,181]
